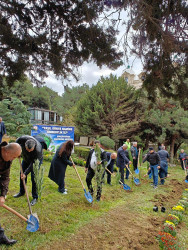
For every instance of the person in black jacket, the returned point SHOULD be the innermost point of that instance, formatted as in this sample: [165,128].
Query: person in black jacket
[59,165]
[154,160]
[91,168]
[31,151]
[111,157]
[121,161]
[8,152]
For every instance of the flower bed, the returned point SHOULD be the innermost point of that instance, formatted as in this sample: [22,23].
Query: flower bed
[167,237]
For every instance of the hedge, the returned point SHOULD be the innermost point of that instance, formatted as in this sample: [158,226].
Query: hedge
[82,152]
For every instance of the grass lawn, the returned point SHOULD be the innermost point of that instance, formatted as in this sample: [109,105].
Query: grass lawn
[62,216]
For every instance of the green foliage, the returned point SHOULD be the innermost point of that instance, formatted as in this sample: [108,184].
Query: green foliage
[82,152]
[107,142]
[53,36]
[15,116]
[106,105]
[39,177]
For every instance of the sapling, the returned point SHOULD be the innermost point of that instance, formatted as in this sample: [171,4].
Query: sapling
[39,177]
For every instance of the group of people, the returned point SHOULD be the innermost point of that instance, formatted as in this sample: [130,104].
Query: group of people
[99,162]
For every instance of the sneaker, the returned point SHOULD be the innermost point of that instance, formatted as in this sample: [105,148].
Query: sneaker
[98,199]
[152,185]
[155,187]
[64,192]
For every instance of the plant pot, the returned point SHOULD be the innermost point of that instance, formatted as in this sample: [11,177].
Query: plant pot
[155,209]
[163,209]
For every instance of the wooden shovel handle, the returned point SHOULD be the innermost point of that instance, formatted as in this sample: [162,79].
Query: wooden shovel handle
[77,173]
[108,170]
[129,170]
[14,212]
[25,187]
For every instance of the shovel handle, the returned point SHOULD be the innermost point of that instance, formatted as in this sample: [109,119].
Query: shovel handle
[25,188]
[138,157]
[77,173]
[184,168]
[108,171]
[14,212]
[129,170]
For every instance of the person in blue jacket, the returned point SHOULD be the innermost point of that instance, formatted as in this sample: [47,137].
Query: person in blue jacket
[182,156]
[122,160]
[2,129]
[164,157]
[59,165]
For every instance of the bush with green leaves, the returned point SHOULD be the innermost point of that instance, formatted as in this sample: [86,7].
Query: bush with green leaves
[82,152]
[107,142]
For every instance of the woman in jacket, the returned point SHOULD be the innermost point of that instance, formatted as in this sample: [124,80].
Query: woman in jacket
[59,165]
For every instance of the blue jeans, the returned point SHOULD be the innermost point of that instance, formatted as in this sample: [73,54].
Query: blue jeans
[163,174]
[154,171]
[127,173]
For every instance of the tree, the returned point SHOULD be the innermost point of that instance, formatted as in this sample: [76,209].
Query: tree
[71,96]
[173,121]
[156,32]
[105,107]
[15,116]
[41,36]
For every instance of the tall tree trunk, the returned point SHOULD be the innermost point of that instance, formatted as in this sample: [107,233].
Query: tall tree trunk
[172,148]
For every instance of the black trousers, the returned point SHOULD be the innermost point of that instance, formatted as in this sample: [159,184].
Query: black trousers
[135,163]
[121,170]
[34,188]
[109,167]
[89,177]
[1,232]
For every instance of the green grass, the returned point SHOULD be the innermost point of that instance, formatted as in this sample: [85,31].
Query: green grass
[62,215]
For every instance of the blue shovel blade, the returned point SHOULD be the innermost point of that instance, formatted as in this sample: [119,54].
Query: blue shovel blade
[32,224]
[136,181]
[88,196]
[137,171]
[186,181]
[126,187]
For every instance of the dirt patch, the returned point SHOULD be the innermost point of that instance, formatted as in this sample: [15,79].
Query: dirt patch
[171,197]
[123,228]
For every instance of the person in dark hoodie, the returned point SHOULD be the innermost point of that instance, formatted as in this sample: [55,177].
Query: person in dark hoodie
[59,165]
[154,160]
[31,151]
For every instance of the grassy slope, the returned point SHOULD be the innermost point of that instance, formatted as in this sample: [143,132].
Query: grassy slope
[60,215]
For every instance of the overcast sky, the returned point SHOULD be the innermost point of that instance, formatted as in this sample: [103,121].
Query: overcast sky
[90,73]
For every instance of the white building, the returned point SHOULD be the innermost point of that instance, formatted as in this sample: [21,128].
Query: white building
[131,78]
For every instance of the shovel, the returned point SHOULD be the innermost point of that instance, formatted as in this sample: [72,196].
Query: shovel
[125,186]
[186,181]
[137,170]
[31,217]
[136,180]
[32,222]
[87,194]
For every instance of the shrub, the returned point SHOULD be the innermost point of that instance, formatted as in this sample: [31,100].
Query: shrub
[107,142]
[82,152]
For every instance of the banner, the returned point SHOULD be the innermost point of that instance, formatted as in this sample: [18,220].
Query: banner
[54,136]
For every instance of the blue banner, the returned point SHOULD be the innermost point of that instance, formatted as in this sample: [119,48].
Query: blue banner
[54,136]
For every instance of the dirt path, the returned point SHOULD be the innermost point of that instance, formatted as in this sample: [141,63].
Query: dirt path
[123,227]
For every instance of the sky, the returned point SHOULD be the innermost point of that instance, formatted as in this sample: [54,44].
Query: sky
[90,73]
